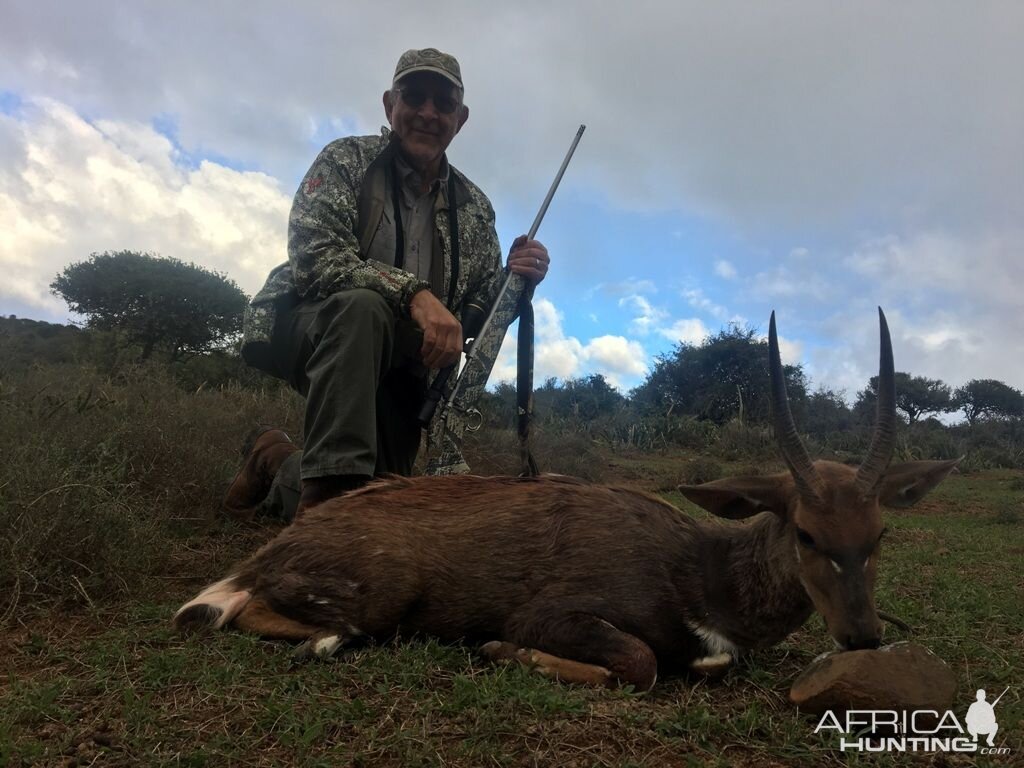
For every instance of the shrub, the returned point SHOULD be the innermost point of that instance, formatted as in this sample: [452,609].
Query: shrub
[100,474]
[699,470]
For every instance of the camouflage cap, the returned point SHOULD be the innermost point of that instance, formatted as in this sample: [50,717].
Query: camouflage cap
[429,60]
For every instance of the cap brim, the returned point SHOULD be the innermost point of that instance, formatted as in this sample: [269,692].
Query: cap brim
[427,68]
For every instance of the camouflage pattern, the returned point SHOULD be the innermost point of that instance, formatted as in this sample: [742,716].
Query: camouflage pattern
[450,423]
[332,222]
[429,60]
[325,244]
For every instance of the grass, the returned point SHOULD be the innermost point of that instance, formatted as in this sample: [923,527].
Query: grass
[108,522]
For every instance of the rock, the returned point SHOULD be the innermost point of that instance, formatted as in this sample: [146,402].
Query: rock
[901,676]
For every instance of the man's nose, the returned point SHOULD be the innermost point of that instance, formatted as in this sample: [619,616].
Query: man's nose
[428,109]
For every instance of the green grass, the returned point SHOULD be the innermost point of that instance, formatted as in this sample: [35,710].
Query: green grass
[108,516]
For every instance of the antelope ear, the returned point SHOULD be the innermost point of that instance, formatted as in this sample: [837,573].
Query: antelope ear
[736,498]
[903,485]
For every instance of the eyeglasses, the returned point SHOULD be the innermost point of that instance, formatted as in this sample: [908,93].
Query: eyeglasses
[416,96]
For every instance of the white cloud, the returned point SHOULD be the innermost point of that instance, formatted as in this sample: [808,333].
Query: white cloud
[808,114]
[623,288]
[75,187]
[646,317]
[695,298]
[687,331]
[618,358]
[724,269]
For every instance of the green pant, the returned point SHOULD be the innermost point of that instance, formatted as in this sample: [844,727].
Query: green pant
[357,366]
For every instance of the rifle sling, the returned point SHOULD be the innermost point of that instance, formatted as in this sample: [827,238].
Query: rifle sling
[524,384]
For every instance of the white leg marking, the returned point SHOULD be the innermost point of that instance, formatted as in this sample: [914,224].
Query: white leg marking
[715,642]
[326,646]
[712,665]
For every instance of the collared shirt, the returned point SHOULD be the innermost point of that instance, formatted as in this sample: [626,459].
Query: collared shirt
[418,212]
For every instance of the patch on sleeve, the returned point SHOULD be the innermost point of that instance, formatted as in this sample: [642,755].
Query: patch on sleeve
[313,184]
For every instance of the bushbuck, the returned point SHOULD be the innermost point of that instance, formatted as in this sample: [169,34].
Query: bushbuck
[587,583]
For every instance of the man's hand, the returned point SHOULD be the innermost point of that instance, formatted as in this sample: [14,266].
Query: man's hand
[529,258]
[442,333]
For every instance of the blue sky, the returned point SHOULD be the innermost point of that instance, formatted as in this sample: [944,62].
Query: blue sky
[816,158]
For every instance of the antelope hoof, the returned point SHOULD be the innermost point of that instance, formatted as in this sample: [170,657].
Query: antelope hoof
[320,647]
[712,666]
[496,650]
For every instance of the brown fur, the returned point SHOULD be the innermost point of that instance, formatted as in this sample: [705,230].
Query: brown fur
[614,579]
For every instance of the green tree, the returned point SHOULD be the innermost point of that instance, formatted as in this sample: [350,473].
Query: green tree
[723,378]
[585,398]
[916,396]
[988,399]
[825,412]
[155,302]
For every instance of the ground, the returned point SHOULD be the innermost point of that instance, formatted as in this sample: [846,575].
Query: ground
[110,684]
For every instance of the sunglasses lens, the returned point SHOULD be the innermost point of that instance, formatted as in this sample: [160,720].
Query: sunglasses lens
[416,97]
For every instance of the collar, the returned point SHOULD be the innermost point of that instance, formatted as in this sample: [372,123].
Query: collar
[411,177]
[389,151]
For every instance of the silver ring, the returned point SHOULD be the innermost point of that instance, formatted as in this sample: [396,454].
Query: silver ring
[536,263]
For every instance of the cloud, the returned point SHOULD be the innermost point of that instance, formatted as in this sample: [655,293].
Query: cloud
[724,269]
[622,361]
[801,116]
[687,331]
[74,187]
[695,298]
[624,288]
[646,317]
[617,358]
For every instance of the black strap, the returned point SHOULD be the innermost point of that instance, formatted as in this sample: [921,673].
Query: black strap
[453,230]
[396,205]
[524,384]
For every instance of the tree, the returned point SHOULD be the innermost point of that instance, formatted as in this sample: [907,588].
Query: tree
[826,411]
[585,398]
[723,378]
[916,396]
[155,302]
[988,398]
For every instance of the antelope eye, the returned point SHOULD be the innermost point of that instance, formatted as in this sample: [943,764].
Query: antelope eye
[805,538]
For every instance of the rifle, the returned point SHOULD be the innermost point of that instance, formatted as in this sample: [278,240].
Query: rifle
[481,350]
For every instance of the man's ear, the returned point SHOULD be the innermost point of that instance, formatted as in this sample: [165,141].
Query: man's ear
[903,485]
[463,117]
[388,104]
[736,498]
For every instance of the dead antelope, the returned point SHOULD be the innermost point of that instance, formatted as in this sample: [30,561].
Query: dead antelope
[587,583]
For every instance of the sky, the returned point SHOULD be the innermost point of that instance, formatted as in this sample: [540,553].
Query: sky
[818,158]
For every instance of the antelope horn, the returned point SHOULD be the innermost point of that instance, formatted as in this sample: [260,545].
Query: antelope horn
[884,438]
[793,452]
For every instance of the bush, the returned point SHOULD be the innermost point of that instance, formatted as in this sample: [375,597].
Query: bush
[699,470]
[101,473]
[496,452]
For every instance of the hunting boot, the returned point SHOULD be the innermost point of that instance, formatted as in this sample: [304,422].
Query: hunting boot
[317,490]
[264,450]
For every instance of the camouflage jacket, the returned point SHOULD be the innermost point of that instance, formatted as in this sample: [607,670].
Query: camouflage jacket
[334,217]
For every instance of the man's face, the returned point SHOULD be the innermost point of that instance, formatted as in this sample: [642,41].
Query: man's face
[425,115]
